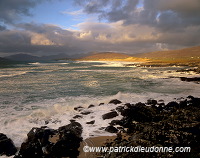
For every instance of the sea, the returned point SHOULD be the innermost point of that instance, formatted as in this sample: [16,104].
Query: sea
[39,94]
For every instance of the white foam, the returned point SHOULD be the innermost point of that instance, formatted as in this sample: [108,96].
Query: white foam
[58,112]
[12,73]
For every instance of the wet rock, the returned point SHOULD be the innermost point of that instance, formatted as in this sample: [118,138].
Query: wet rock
[91,122]
[174,125]
[86,112]
[194,79]
[101,104]
[7,146]
[193,101]
[49,143]
[69,141]
[110,115]
[171,105]
[77,116]
[116,122]
[151,102]
[111,129]
[139,112]
[41,134]
[127,105]
[78,108]
[115,101]
[91,106]
[120,108]
[183,104]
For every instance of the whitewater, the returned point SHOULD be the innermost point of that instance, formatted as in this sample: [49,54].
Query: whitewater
[45,93]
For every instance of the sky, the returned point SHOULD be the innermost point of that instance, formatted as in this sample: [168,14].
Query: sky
[48,27]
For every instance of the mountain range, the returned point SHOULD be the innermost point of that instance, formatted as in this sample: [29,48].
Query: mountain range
[181,55]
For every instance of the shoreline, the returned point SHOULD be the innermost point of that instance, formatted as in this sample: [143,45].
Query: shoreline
[153,123]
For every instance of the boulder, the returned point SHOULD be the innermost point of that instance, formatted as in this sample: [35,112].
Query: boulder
[138,112]
[7,146]
[115,101]
[77,116]
[86,112]
[91,106]
[116,122]
[91,122]
[192,101]
[194,79]
[65,142]
[151,102]
[110,115]
[78,108]
[120,108]
[111,129]
[101,104]
[171,105]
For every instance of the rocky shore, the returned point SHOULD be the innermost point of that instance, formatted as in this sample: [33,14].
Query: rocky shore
[153,123]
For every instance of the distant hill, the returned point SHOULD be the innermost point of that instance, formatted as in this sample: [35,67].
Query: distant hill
[26,57]
[22,57]
[3,60]
[111,56]
[6,62]
[192,53]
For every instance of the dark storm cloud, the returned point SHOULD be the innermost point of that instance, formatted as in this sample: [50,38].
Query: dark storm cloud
[2,28]
[157,13]
[42,39]
[131,27]
[12,10]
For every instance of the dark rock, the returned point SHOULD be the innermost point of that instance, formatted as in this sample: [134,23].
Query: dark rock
[77,116]
[39,145]
[101,104]
[91,122]
[151,102]
[7,146]
[86,112]
[120,108]
[31,149]
[78,108]
[111,129]
[91,106]
[69,141]
[174,125]
[172,105]
[116,122]
[110,115]
[115,101]
[183,104]
[127,105]
[194,79]
[192,101]
[139,112]
[73,127]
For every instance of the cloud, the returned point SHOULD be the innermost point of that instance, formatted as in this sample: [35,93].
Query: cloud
[156,13]
[2,28]
[43,39]
[11,11]
[74,13]
[126,26]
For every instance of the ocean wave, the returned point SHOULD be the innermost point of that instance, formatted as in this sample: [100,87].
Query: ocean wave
[58,112]
[12,73]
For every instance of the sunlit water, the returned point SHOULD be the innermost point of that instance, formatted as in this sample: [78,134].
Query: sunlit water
[38,94]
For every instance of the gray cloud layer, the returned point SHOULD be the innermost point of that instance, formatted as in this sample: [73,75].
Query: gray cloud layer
[129,27]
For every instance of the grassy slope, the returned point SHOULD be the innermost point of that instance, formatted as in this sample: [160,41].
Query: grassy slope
[191,55]
[110,56]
